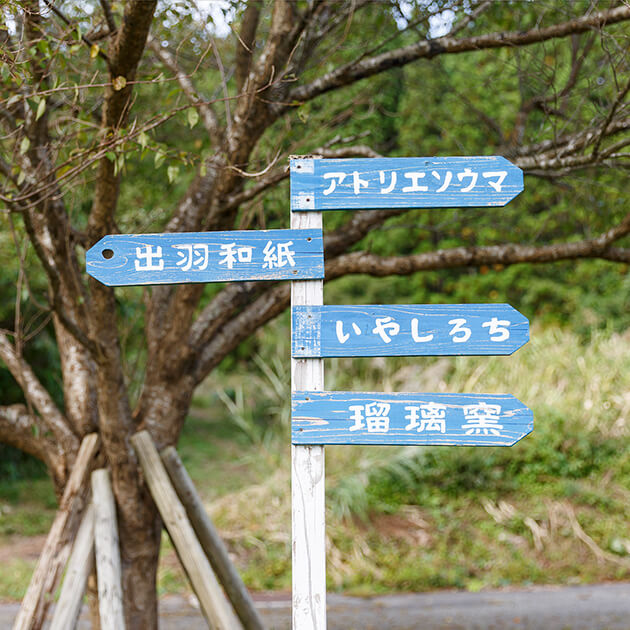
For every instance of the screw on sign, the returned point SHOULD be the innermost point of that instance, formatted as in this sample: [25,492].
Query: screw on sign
[320,417]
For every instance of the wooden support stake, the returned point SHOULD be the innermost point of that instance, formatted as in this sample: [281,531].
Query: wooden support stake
[58,543]
[211,541]
[307,480]
[214,605]
[79,567]
[108,571]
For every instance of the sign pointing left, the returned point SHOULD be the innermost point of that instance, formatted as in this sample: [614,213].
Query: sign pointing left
[174,258]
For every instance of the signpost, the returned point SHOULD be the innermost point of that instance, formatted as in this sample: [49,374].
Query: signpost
[407,330]
[318,331]
[137,259]
[369,183]
[407,419]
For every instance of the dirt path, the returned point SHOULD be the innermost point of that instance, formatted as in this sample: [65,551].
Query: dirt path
[596,607]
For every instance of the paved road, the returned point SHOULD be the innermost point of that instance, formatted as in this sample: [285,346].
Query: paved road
[599,607]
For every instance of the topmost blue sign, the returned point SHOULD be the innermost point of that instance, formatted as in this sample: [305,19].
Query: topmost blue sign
[370,183]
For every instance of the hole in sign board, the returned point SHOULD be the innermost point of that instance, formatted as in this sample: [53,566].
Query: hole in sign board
[108,253]
[309,239]
[294,271]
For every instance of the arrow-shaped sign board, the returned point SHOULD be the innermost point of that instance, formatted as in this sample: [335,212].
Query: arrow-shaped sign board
[412,330]
[370,183]
[408,419]
[137,259]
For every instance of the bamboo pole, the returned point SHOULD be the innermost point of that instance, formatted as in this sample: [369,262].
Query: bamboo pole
[57,548]
[110,604]
[79,568]
[211,541]
[214,605]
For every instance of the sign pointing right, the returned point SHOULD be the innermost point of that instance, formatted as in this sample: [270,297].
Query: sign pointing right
[407,330]
[408,419]
[421,182]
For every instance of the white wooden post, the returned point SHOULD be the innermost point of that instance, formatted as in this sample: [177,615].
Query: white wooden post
[307,478]
[214,605]
[79,566]
[57,548]
[107,552]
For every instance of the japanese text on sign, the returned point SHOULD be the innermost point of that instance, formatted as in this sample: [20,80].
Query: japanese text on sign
[479,418]
[196,256]
[464,181]
[207,257]
[407,330]
[407,418]
[403,183]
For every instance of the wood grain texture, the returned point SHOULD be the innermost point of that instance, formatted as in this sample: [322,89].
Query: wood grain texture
[107,552]
[307,477]
[174,258]
[407,330]
[214,605]
[211,541]
[408,419]
[80,565]
[53,558]
[431,182]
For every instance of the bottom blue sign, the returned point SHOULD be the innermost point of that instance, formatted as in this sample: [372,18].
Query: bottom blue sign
[408,419]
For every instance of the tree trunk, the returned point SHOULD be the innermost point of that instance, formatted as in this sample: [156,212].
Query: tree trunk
[139,554]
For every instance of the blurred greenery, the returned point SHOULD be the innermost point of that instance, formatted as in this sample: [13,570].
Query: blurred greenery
[554,508]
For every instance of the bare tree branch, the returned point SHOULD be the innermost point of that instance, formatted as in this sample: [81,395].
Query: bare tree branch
[208,116]
[37,395]
[508,254]
[232,331]
[246,43]
[109,16]
[124,59]
[621,95]
[25,431]
[84,38]
[350,73]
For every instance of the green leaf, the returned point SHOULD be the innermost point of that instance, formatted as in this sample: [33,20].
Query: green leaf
[111,156]
[159,159]
[193,117]
[172,172]
[203,170]
[94,49]
[143,139]
[24,145]
[119,163]
[21,177]
[41,108]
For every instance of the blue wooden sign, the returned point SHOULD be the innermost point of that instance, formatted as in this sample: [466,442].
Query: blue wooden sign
[136,259]
[408,419]
[413,330]
[432,182]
